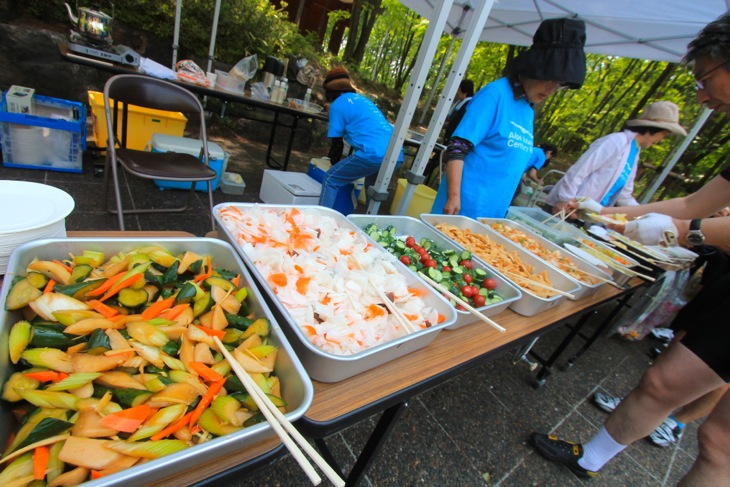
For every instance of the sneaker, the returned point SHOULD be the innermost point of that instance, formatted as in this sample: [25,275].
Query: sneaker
[664,334]
[562,452]
[666,433]
[606,402]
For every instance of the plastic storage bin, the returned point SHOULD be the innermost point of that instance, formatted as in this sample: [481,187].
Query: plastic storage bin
[53,139]
[421,202]
[347,197]
[169,143]
[143,123]
[229,83]
[232,183]
[289,188]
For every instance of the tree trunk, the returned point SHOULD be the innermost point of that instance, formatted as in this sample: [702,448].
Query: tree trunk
[371,15]
[354,30]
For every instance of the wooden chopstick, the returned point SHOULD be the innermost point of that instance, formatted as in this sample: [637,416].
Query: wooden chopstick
[537,284]
[399,316]
[553,216]
[463,303]
[281,425]
[603,279]
[564,217]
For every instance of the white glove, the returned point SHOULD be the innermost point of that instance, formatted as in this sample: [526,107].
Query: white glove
[652,229]
[590,205]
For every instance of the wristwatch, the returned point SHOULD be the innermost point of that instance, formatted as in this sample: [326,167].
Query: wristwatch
[695,235]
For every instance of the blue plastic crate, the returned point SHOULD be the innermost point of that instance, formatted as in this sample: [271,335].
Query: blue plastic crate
[54,142]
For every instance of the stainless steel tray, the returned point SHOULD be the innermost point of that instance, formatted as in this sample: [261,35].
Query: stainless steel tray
[555,230]
[530,304]
[297,388]
[328,367]
[586,289]
[406,225]
[621,273]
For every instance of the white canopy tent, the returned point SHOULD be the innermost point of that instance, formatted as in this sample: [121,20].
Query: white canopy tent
[646,29]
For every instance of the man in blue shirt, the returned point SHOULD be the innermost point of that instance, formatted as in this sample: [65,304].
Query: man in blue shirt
[354,119]
[493,145]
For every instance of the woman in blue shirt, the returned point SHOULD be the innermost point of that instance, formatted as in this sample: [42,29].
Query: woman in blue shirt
[492,146]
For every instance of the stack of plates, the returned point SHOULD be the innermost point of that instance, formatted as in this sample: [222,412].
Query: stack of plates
[30,211]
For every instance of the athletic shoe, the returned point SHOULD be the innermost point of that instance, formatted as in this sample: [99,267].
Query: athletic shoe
[606,402]
[562,452]
[666,433]
[664,334]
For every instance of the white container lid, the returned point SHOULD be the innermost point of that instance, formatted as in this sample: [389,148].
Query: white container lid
[297,183]
[171,143]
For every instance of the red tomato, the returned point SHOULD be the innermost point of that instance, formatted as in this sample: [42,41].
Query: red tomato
[475,290]
[447,268]
[417,248]
[467,291]
[430,263]
[479,300]
[467,278]
[425,257]
[466,263]
[405,259]
[410,242]
[489,283]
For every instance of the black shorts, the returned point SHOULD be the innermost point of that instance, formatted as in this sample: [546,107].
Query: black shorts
[706,320]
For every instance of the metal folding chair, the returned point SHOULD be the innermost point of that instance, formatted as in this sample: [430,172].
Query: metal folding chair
[143,91]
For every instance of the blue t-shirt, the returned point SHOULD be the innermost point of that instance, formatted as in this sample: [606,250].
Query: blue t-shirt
[361,123]
[501,129]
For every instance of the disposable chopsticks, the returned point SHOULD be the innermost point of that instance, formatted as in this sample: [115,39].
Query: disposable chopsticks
[537,284]
[463,303]
[281,425]
[598,278]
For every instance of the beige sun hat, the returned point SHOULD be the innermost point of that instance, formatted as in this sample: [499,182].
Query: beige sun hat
[662,114]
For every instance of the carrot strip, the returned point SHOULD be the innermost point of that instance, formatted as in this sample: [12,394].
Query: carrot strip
[127,420]
[205,401]
[44,376]
[65,266]
[121,285]
[208,271]
[174,312]
[236,280]
[303,284]
[208,374]
[41,455]
[102,308]
[156,308]
[96,474]
[49,286]
[106,285]
[60,377]
[278,278]
[174,427]
[211,332]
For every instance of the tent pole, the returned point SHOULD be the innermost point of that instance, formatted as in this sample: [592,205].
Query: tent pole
[379,191]
[213,34]
[701,119]
[463,57]
[176,34]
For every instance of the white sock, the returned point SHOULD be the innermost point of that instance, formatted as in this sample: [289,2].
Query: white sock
[599,450]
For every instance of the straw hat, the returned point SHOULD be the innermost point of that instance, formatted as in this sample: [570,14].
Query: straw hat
[337,79]
[661,114]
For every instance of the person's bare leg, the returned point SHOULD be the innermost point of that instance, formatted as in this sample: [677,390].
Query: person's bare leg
[701,407]
[712,466]
[677,378]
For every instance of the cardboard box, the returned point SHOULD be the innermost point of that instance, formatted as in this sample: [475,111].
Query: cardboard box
[169,143]
[20,100]
[289,188]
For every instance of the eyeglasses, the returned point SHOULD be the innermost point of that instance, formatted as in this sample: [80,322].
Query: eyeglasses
[700,81]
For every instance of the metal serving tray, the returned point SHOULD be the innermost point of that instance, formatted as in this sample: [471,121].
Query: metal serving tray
[530,304]
[580,264]
[621,274]
[555,230]
[324,366]
[296,387]
[406,225]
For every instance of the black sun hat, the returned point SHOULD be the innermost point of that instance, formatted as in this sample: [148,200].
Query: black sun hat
[556,53]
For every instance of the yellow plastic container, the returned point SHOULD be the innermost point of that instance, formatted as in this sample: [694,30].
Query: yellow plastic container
[421,202]
[143,123]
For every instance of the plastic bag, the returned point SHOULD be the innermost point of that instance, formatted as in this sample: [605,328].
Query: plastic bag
[258,90]
[190,72]
[245,69]
[308,75]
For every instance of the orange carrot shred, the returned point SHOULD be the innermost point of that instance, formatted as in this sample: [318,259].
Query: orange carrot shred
[303,284]
[236,280]
[127,420]
[211,332]
[106,285]
[205,401]
[102,308]
[177,425]
[49,286]
[65,266]
[41,455]
[156,308]
[175,311]
[121,285]
[44,376]
[278,278]
[208,374]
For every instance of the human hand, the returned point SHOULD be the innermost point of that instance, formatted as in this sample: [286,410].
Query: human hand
[452,206]
[652,229]
[589,204]
[563,206]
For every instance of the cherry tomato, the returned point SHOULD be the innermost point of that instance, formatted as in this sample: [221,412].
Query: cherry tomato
[410,242]
[467,291]
[467,278]
[489,283]
[424,257]
[430,263]
[417,248]
[475,290]
[446,268]
[466,263]
[405,259]
[479,300]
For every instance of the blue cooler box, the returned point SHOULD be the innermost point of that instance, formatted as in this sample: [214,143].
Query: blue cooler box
[170,143]
[346,200]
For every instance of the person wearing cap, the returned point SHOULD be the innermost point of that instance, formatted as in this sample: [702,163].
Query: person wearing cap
[606,171]
[354,119]
[493,145]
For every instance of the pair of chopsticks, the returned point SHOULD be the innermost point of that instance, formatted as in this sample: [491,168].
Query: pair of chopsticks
[397,313]
[537,284]
[281,425]
[463,303]
[598,278]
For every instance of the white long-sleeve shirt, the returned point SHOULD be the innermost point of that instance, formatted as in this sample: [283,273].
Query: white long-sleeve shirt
[595,173]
